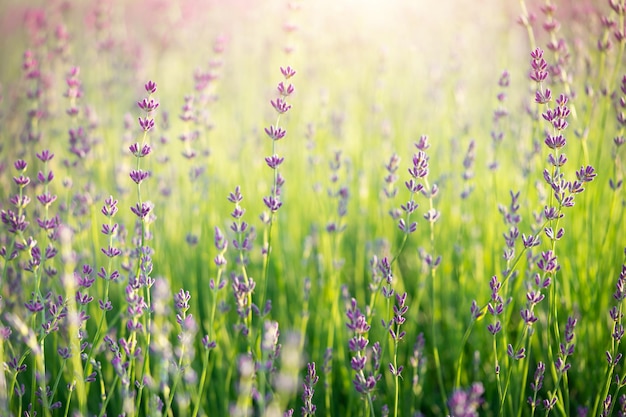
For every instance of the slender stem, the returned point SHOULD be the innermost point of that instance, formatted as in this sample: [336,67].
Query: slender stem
[205,366]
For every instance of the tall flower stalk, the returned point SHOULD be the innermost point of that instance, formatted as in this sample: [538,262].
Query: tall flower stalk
[244,286]
[397,333]
[365,379]
[613,354]
[562,196]
[273,201]
[140,282]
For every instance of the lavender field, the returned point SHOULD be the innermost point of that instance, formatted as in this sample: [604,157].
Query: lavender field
[297,208]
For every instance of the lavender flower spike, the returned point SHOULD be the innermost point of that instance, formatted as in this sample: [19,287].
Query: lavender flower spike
[311,378]
[466,403]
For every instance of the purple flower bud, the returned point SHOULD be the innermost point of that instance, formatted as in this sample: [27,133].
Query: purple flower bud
[148,104]
[287,72]
[272,203]
[142,210]
[146,123]
[140,153]
[45,156]
[280,105]
[21,181]
[555,141]
[475,311]
[495,327]
[43,179]
[530,241]
[358,362]
[46,199]
[138,175]
[285,91]
[275,133]
[432,215]
[150,87]
[111,252]
[528,316]
[20,165]
[517,355]
[274,161]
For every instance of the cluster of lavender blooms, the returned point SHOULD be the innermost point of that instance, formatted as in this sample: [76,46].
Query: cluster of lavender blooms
[563,195]
[365,378]
[390,179]
[615,182]
[466,403]
[499,117]
[468,174]
[142,356]
[243,286]
[418,172]
[397,333]
[339,192]
[196,116]
[512,218]
[310,380]
[563,191]
[416,184]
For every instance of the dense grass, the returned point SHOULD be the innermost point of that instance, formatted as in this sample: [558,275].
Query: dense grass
[384,94]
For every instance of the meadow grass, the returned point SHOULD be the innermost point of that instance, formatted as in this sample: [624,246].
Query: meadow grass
[430,223]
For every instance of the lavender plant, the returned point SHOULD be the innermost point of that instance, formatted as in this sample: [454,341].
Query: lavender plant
[109,311]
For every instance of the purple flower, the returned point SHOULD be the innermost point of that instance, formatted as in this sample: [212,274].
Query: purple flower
[555,141]
[146,123]
[364,382]
[357,322]
[391,167]
[45,156]
[45,179]
[399,310]
[287,72]
[207,343]
[539,66]
[138,175]
[272,203]
[536,384]
[515,354]
[150,87]
[420,165]
[285,91]
[275,133]
[548,262]
[20,165]
[311,378]
[148,104]
[280,105]
[274,161]
[530,241]
[111,252]
[466,403]
[586,174]
[21,181]
[270,347]
[142,210]
[110,207]
[15,223]
[140,153]
[475,311]
[19,201]
[528,316]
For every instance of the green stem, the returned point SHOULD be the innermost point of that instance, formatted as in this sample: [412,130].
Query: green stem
[205,366]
